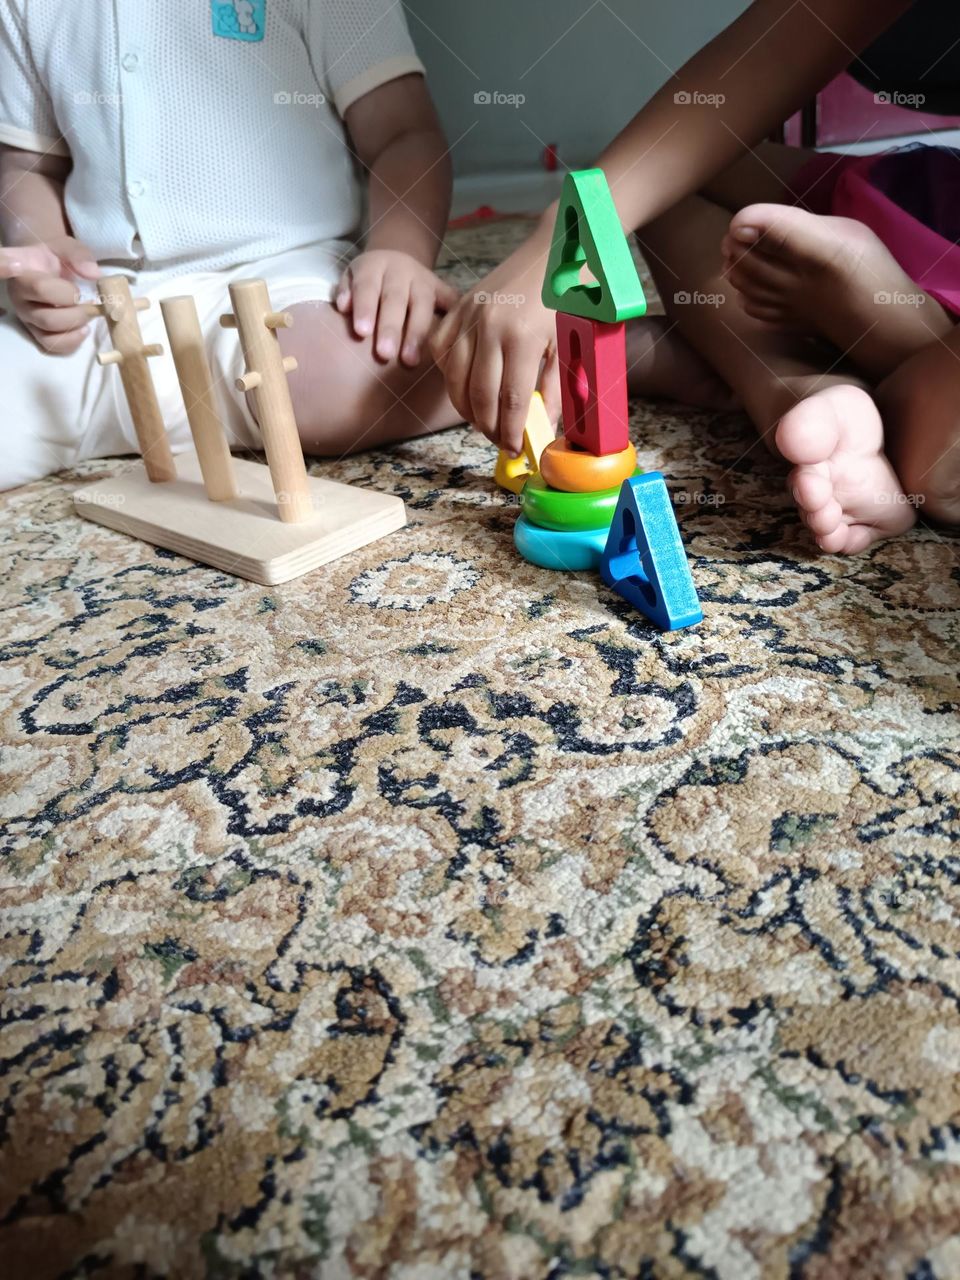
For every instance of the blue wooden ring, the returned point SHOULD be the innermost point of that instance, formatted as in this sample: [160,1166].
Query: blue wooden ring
[563,549]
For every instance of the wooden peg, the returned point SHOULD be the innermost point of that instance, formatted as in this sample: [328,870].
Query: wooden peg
[189,355]
[266,377]
[96,309]
[129,353]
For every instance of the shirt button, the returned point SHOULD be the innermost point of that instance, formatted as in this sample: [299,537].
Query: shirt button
[135,189]
[130,62]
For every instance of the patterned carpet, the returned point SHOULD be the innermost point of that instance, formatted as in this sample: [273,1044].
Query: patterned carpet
[434,918]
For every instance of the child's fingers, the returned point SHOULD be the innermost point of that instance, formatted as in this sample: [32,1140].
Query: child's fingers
[486,377]
[446,297]
[57,344]
[55,319]
[77,258]
[35,258]
[444,336]
[521,365]
[50,291]
[33,289]
[365,303]
[549,385]
[394,301]
[419,320]
[344,296]
[458,362]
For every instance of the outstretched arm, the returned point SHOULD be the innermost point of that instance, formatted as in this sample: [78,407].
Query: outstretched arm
[758,71]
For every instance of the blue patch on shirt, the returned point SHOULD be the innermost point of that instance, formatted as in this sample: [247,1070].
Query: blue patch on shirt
[239,19]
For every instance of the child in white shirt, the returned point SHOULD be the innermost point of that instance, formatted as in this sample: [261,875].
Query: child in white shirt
[196,142]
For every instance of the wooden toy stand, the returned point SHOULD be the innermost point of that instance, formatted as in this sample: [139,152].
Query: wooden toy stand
[266,523]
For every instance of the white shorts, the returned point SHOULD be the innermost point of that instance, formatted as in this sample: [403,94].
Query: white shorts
[61,410]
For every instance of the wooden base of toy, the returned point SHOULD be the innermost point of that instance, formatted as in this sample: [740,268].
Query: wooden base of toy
[244,535]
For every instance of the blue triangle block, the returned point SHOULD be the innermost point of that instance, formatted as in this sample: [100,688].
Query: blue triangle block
[644,560]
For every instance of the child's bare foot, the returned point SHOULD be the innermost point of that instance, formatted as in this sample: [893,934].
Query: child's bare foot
[847,492]
[662,365]
[830,277]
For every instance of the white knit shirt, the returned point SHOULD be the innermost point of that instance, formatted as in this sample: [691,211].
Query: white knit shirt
[203,133]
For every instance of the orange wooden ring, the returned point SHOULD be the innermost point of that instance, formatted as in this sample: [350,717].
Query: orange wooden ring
[575,471]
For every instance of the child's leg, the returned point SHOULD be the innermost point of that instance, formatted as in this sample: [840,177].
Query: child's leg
[822,420]
[345,399]
[48,403]
[920,403]
[834,278]
[661,363]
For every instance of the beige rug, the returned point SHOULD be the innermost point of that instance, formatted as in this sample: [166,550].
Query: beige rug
[434,917]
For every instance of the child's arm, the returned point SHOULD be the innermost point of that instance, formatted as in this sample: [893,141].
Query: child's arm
[390,287]
[40,256]
[755,74]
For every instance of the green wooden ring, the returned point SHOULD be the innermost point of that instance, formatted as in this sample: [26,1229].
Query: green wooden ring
[554,509]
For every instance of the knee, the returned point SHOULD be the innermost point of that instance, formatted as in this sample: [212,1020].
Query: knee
[342,397]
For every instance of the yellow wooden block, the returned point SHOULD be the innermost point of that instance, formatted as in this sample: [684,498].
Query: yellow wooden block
[511,473]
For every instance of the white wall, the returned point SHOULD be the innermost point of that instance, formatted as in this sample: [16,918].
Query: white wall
[583,67]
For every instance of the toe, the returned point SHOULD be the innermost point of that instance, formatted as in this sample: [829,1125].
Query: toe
[805,434]
[811,487]
[826,520]
[763,225]
[835,542]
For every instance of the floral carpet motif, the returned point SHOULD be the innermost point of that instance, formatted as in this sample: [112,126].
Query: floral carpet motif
[434,917]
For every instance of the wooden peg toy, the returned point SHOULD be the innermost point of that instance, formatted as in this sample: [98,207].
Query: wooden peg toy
[572,550]
[512,473]
[266,376]
[189,355]
[566,467]
[587,233]
[556,509]
[644,560]
[119,309]
[593,383]
[238,531]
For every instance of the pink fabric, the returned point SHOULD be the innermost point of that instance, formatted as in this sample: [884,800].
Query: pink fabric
[842,185]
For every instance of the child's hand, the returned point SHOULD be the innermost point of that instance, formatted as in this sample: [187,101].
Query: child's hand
[496,347]
[394,297]
[43,293]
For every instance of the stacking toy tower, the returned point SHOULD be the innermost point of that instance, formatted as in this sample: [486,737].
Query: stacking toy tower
[585,504]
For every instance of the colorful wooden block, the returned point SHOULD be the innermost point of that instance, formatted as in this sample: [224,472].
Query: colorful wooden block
[569,550]
[554,509]
[512,473]
[644,560]
[574,471]
[587,233]
[593,383]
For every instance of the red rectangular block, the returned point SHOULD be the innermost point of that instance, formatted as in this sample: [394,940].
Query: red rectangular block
[593,383]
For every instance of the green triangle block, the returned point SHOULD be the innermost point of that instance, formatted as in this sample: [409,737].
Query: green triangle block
[588,231]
